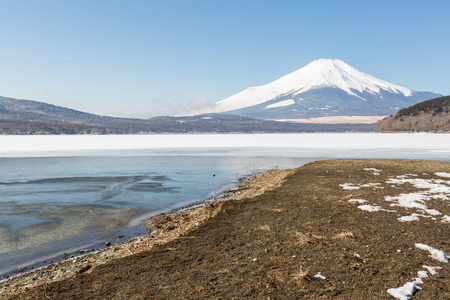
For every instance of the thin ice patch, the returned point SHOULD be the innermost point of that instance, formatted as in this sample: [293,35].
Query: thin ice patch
[438,255]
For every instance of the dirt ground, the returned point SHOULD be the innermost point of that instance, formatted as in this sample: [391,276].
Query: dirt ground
[273,245]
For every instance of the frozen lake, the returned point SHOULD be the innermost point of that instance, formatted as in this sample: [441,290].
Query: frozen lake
[64,193]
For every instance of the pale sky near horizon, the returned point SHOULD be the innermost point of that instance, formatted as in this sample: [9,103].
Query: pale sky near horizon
[148,58]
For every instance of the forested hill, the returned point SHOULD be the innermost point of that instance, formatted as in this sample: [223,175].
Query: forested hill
[430,116]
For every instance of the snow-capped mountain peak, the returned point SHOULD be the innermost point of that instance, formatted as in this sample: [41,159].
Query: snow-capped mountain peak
[321,73]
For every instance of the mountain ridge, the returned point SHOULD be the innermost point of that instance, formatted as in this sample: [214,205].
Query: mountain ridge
[322,88]
[19,116]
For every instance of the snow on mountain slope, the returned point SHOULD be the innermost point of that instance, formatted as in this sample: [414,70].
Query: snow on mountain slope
[317,74]
[323,88]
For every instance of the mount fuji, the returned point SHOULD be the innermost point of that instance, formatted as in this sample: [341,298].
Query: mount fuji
[323,88]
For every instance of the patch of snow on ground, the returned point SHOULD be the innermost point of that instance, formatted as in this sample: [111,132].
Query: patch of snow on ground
[371,169]
[349,186]
[373,185]
[375,171]
[429,189]
[433,212]
[361,201]
[319,275]
[402,293]
[411,218]
[411,200]
[432,186]
[431,270]
[422,274]
[352,186]
[410,288]
[434,253]
[442,174]
[441,196]
[445,219]
[370,208]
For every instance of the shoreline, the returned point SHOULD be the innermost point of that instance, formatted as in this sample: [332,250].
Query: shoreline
[162,229]
[334,229]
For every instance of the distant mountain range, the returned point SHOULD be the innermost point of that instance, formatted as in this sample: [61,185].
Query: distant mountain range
[33,117]
[430,115]
[323,88]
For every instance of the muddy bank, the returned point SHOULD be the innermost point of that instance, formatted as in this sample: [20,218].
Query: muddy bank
[339,229]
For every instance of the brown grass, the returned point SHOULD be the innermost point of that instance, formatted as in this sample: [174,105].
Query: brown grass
[307,238]
[278,210]
[263,228]
[302,274]
[344,236]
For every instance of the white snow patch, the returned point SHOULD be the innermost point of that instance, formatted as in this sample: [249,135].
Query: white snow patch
[281,104]
[372,169]
[445,219]
[434,253]
[442,174]
[431,270]
[412,200]
[433,212]
[402,293]
[352,186]
[413,217]
[319,275]
[373,185]
[432,186]
[410,288]
[349,186]
[422,274]
[361,201]
[370,208]
[358,257]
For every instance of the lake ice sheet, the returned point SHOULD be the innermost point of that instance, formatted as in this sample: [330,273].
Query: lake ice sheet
[64,193]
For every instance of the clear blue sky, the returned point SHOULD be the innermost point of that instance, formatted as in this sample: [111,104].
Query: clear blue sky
[146,58]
